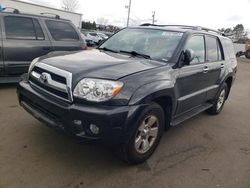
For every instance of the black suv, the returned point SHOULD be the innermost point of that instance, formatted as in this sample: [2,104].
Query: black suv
[24,37]
[131,88]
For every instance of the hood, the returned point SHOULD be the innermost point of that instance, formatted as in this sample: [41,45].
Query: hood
[98,64]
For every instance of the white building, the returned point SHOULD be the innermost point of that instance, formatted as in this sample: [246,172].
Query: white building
[30,8]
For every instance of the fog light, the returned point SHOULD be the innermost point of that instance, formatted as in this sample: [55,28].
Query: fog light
[94,129]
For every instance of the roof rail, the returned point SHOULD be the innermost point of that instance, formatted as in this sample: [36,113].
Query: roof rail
[199,28]
[209,30]
[16,11]
[47,13]
[181,26]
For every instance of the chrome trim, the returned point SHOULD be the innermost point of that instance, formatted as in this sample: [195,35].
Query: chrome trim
[53,84]
[49,81]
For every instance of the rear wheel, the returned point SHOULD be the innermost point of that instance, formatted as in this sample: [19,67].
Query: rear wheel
[219,101]
[145,136]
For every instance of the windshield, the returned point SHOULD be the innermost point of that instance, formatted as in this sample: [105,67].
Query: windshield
[157,44]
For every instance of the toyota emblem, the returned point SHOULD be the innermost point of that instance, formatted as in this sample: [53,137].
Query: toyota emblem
[43,78]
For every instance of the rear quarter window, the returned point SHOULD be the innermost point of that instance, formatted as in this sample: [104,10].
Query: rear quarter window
[228,48]
[62,31]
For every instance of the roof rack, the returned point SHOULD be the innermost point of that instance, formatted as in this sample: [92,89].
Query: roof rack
[199,28]
[16,11]
[181,26]
[47,13]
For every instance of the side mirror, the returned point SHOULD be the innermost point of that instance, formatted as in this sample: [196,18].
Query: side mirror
[188,56]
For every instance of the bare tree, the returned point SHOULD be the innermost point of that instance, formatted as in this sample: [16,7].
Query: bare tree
[70,5]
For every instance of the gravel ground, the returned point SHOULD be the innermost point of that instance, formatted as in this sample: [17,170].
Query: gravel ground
[206,151]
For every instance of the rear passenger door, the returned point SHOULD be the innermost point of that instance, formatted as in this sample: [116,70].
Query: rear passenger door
[23,40]
[215,65]
[64,36]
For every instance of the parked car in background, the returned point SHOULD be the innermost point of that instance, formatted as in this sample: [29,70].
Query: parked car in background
[95,37]
[88,41]
[108,33]
[25,37]
[103,36]
[138,83]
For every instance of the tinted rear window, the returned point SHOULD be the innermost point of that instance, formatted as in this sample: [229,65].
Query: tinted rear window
[228,48]
[19,28]
[213,49]
[62,31]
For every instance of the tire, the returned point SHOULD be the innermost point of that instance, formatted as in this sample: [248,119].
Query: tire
[219,100]
[134,153]
[247,54]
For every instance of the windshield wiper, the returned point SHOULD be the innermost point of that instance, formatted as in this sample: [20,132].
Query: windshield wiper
[107,49]
[134,53]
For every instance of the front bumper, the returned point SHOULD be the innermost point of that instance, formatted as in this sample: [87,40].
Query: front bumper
[114,122]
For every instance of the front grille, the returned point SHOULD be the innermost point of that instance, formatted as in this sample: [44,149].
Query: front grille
[52,80]
[49,89]
[55,77]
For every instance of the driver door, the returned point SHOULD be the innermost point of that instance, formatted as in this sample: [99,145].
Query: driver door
[191,81]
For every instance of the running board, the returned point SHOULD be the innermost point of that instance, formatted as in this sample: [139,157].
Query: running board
[190,114]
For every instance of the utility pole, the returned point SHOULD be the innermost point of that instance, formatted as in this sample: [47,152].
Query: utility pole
[153,17]
[128,7]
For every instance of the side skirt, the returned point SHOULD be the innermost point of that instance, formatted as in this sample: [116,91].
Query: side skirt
[189,114]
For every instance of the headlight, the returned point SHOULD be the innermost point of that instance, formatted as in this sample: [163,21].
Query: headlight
[32,64]
[96,89]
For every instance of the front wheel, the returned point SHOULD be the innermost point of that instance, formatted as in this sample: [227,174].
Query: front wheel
[145,136]
[219,101]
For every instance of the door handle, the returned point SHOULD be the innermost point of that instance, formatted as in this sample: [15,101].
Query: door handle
[205,69]
[222,65]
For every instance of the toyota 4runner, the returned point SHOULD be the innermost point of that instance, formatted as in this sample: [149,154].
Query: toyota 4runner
[131,88]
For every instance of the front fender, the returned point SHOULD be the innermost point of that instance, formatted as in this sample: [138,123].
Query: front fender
[153,90]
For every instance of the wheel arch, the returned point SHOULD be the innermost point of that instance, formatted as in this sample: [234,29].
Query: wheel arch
[166,104]
[162,93]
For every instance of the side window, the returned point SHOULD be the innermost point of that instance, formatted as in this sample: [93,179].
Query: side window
[214,52]
[62,31]
[220,56]
[231,49]
[212,49]
[39,31]
[19,28]
[196,43]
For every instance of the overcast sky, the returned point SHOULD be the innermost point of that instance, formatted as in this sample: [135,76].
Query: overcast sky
[210,13]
